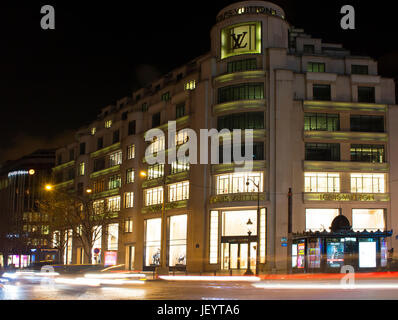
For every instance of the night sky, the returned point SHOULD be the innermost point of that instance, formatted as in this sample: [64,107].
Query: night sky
[53,82]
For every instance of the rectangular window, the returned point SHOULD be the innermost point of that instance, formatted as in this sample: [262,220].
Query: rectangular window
[359,69]
[99,206]
[322,151]
[367,183]
[309,48]
[113,204]
[82,148]
[156,120]
[213,255]
[128,225]
[129,200]
[239,182]
[258,152]
[367,153]
[181,137]
[108,124]
[321,122]
[369,219]
[319,219]
[191,85]
[144,107]
[155,171]
[131,128]
[99,164]
[114,182]
[316,67]
[248,91]
[115,159]
[113,236]
[99,186]
[243,121]
[153,196]
[130,175]
[366,94]
[157,145]
[71,155]
[242,65]
[180,110]
[179,191]
[131,152]
[100,143]
[177,240]
[116,136]
[321,182]
[321,92]
[82,167]
[166,96]
[366,123]
[93,131]
[179,166]
[152,241]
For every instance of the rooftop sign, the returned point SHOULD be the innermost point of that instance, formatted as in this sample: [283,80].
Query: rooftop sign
[248,10]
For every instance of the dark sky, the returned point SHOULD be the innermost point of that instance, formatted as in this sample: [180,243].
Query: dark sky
[55,81]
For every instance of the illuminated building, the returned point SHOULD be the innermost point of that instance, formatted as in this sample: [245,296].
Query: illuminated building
[323,124]
[24,231]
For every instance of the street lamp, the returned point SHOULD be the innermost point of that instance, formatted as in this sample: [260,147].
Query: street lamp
[249,224]
[257,185]
[163,268]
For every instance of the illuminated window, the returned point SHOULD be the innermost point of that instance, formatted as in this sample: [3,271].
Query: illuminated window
[213,237]
[181,137]
[367,183]
[179,191]
[152,241]
[237,182]
[128,200]
[113,236]
[113,204]
[99,186]
[108,124]
[263,238]
[97,239]
[248,91]
[130,175]
[321,182]
[367,153]
[158,144]
[82,169]
[93,131]
[234,223]
[155,171]
[369,219]
[68,246]
[179,166]
[242,65]
[321,122]
[153,196]
[128,225]
[191,85]
[178,240]
[316,67]
[320,219]
[99,206]
[131,152]
[115,159]
[114,182]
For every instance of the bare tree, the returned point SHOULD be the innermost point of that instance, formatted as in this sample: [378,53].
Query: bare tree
[88,218]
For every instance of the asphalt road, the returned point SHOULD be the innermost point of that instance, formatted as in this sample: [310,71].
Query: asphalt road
[385,289]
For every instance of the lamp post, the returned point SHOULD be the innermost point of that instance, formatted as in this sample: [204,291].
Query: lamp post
[162,269]
[249,224]
[257,185]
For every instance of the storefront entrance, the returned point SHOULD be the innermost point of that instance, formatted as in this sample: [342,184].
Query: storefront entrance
[235,254]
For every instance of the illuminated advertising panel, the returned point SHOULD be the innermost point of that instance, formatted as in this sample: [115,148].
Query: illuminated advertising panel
[300,255]
[110,258]
[383,253]
[367,254]
[294,255]
[244,38]
[335,254]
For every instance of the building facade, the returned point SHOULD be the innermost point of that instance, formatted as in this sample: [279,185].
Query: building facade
[24,231]
[324,123]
